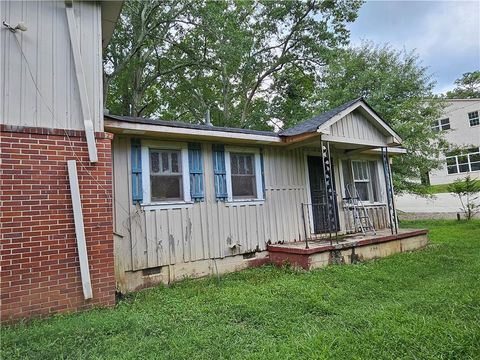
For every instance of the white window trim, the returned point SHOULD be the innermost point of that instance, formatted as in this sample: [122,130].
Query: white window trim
[457,164]
[165,145]
[258,175]
[470,120]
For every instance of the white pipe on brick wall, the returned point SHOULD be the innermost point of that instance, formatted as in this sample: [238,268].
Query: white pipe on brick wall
[79,229]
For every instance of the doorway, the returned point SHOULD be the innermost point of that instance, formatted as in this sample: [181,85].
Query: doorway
[319,208]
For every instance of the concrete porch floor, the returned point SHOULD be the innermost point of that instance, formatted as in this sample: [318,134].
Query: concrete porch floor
[350,248]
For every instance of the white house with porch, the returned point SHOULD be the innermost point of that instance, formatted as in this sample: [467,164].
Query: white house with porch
[192,200]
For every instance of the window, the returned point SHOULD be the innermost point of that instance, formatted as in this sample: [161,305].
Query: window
[166,182]
[242,168]
[361,179]
[361,175]
[473,118]
[442,124]
[243,174]
[166,176]
[464,161]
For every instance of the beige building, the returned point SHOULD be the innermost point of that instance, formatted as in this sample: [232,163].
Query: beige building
[191,200]
[461,125]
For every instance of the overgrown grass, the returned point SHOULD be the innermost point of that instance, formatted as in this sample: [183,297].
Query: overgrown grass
[420,305]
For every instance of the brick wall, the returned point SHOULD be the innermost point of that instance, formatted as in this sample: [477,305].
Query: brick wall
[40,271]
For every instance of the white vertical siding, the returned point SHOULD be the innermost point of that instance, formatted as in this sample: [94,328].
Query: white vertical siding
[47,49]
[355,126]
[209,229]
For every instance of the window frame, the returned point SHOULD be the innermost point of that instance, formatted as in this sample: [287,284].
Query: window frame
[477,118]
[182,147]
[368,181]
[457,164]
[377,178]
[258,174]
[437,125]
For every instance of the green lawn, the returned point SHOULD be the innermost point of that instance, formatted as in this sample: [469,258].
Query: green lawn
[421,305]
[442,188]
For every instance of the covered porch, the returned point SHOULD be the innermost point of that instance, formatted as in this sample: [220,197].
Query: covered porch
[348,153]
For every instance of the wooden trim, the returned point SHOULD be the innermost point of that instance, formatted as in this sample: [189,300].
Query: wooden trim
[82,85]
[79,229]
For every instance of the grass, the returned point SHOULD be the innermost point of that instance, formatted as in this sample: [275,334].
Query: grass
[442,188]
[420,305]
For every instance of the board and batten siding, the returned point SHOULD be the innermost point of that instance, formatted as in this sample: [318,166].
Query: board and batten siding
[355,126]
[47,48]
[209,229]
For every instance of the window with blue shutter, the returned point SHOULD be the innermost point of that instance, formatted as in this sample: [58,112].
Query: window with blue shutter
[195,166]
[220,173]
[136,155]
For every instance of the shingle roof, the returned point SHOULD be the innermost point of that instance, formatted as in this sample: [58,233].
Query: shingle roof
[313,124]
[178,124]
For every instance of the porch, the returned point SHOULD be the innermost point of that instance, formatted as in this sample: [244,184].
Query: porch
[347,249]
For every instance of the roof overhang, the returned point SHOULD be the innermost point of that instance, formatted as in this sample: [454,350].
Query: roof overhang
[165,132]
[110,14]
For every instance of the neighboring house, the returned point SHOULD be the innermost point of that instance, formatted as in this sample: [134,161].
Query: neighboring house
[186,194]
[50,102]
[461,124]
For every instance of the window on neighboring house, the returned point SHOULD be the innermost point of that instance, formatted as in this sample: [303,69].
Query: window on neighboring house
[244,184]
[363,176]
[166,177]
[442,124]
[465,161]
[473,118]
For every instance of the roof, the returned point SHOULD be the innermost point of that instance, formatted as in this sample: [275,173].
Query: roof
[313,124]
[183,125]
[110,13]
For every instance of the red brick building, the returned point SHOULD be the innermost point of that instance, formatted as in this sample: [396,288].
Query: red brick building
[51,112]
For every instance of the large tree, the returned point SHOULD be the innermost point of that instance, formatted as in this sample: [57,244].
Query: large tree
[399,88]
[177,59]
[467,86]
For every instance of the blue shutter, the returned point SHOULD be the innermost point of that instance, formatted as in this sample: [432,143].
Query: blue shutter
[220,173]
[262,167]
[136,155]
[195,166]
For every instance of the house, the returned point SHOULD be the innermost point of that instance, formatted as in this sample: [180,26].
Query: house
[92,204]
[51,114]
[460,124]
[193,200]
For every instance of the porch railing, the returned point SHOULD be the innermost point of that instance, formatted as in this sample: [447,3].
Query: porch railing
[378,214]
[316,223]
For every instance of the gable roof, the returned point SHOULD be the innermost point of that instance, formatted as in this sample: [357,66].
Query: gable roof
[313,124]
[321,122]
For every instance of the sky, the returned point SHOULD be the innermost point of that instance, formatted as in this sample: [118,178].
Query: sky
[445,34]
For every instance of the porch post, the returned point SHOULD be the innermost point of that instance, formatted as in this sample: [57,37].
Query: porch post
[389,189]
[329,191]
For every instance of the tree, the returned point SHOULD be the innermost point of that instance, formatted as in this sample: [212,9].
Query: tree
[400,90]
[185,57]
[467,87]
[466,190]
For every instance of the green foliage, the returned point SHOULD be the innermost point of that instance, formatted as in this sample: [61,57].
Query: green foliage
[400,90]
[467,87]
[176,59]
[467,190]
[419,305]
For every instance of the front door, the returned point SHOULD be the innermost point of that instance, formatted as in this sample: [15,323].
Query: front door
[319,209]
